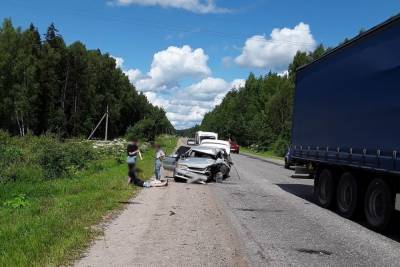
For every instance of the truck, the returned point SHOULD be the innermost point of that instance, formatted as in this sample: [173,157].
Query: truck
[346,125]
[200,135]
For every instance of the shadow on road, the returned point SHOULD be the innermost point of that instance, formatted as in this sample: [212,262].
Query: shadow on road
[306,192]
[301,190]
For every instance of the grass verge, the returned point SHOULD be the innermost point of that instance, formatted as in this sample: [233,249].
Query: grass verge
[49,222]
[265,154]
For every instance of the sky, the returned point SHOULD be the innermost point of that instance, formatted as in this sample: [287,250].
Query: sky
[185,55]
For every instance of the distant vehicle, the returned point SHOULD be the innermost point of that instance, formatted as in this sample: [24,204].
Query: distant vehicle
[198,164]
[217,144]
[345,125]
[234,147]
[204,135]
[191,142]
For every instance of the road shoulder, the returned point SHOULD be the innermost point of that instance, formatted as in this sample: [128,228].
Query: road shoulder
[278,162]
[174,226]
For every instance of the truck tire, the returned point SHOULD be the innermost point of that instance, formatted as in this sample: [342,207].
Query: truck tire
[324,189]
[287,164]
[378,205]
[347,197]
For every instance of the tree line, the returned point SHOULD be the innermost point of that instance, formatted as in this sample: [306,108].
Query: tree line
[260,113]
[47,86]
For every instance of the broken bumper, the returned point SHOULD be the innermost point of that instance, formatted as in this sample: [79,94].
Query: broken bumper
[187,174]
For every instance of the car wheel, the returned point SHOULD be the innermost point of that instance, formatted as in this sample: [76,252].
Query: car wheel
[219,177]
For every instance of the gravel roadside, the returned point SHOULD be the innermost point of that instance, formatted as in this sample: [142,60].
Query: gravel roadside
[180,225]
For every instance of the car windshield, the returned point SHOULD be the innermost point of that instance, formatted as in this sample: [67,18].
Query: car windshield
[207,137]
[198,154]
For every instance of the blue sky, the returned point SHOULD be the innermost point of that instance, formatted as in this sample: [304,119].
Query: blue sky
[186,54]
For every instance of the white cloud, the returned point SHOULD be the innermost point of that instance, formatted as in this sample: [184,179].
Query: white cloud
[119,61]
[189,105]
[275,53]
[185,106]
[134,75]
[196,6]
[173,65]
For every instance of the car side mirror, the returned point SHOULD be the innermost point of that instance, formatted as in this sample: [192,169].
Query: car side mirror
[191,142]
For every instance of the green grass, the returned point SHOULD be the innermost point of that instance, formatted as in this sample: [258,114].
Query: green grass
[265,154]
[54,222]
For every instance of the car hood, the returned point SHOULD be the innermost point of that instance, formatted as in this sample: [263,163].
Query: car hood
[196,162]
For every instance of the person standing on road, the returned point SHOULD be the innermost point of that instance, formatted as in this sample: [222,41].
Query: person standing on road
[158,162]
[132,151]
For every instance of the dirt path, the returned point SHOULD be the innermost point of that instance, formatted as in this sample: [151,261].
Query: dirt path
[181,225]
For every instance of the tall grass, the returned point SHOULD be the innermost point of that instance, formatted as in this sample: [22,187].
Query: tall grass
[48,207]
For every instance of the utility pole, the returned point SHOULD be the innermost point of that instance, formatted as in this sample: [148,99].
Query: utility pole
[105,116]
[106,135]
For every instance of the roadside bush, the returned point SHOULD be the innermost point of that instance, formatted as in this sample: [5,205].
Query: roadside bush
[279,147]
[58,159]
[51,158]
[78,154]
[10,157]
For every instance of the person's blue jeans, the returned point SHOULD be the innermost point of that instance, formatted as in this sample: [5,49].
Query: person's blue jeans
[157,169]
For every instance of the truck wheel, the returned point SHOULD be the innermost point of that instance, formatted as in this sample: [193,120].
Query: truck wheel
[287,165]
[378,205]
[324,189]
[347,197]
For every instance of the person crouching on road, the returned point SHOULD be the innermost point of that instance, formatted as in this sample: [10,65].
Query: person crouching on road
[158,162]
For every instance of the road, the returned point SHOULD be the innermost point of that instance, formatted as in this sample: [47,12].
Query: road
[178,225]
[258,217]
[275,218]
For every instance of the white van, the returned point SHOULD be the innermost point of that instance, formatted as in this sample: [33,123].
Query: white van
[204,135]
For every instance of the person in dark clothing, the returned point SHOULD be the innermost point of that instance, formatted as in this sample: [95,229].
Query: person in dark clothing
[133,151]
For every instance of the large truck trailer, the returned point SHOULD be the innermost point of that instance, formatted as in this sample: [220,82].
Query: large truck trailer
[346,125]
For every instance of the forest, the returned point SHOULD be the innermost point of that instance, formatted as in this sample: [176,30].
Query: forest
[260,114]
[47,86]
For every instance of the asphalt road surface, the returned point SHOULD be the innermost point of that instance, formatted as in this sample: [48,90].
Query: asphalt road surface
[279,225]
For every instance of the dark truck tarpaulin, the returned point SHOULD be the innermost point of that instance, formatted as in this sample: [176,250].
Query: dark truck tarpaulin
[347,103]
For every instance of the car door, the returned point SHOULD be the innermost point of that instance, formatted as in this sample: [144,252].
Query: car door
[169,162]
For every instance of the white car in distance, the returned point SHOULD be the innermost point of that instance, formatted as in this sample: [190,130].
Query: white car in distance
[217,144]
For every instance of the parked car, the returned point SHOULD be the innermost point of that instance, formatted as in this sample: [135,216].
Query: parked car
[199,164]
[234,147]
[217,144]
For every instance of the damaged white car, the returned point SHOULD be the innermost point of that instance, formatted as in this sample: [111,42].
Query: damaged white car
[199,164]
